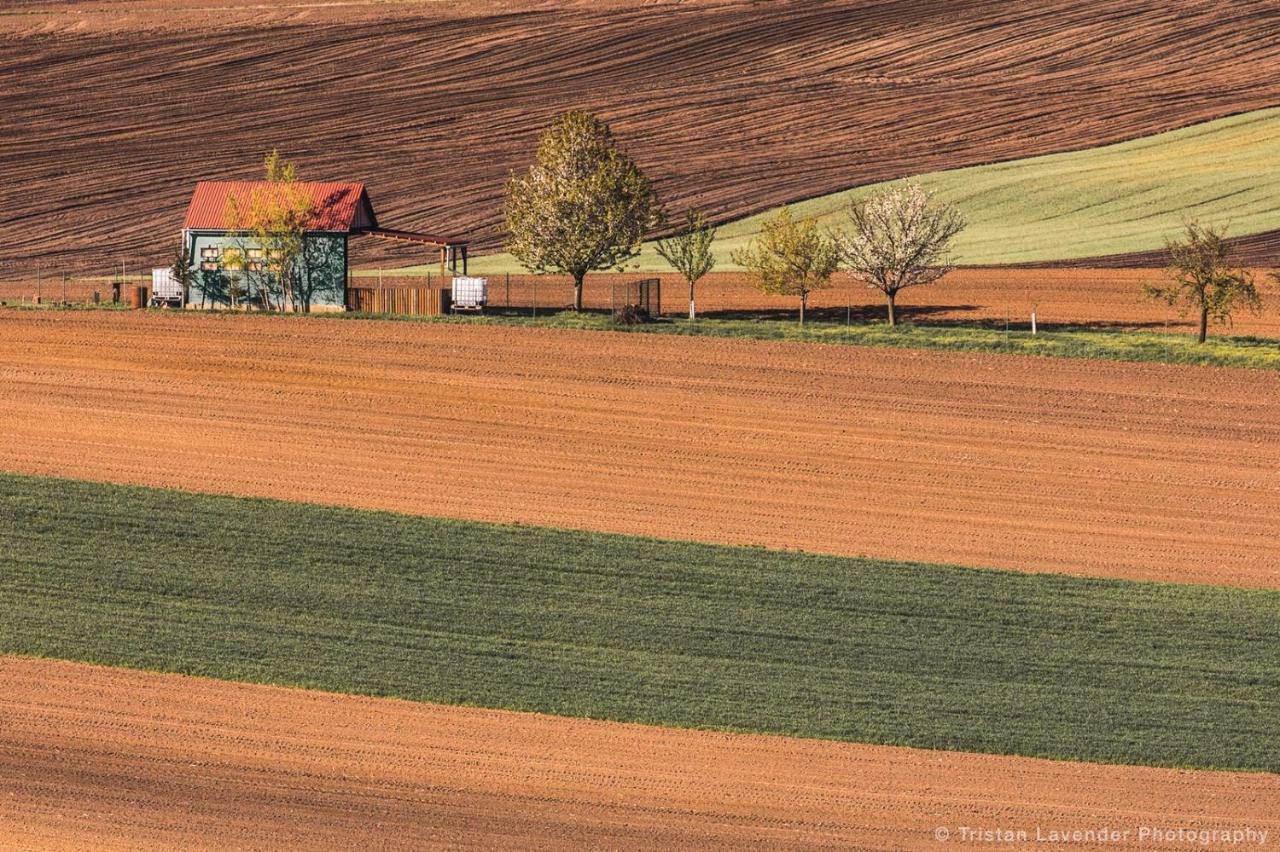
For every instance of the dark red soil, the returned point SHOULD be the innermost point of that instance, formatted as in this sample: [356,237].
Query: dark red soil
[114,110]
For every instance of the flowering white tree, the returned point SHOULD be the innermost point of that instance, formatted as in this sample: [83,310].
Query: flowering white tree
[584,204]
[898,238]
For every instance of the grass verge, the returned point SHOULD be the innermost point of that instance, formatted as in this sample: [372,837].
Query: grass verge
[1249,352]
[623,628]
[1259,353]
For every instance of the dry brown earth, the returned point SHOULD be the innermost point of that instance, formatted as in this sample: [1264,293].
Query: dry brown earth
[112,758]
[114,109]
[1092,468]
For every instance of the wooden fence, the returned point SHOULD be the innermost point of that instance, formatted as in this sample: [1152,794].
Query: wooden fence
[412,301]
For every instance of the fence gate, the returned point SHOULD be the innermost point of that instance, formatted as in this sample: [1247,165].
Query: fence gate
[646,294]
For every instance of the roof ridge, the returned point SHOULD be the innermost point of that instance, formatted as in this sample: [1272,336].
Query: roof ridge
[340,206]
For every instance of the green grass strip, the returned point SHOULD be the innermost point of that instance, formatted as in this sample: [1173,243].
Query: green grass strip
[1249,352]
[624,628]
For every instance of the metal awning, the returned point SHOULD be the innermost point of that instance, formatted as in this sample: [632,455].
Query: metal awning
[451,251]
[413,237]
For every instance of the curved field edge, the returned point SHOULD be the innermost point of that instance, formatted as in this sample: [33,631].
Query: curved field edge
[643,630]
[826,95]
[208,759]
[1123,199]
[1062,465]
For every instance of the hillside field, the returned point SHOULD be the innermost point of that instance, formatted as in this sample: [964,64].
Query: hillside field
[541,579]
[121,758]
[114,111]
[1043,464]
[607,627]
[1116,200]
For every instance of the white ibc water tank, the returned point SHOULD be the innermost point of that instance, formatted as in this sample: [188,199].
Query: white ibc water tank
[470,294]
[164,287]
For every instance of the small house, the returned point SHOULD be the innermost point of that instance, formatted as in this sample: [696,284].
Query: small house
[231,267]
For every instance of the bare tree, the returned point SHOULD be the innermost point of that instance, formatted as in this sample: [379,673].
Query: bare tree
[1201,279]
[321,270]
[790,257]
[898,238]
[689,252]
[584,205]
[180,270]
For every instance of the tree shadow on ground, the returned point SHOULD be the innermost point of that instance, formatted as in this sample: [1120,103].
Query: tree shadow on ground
[859,314]
[1024,323]
[938,316]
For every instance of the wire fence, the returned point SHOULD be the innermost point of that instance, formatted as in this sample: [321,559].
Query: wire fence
[719,294]
[998,298]
[67,290]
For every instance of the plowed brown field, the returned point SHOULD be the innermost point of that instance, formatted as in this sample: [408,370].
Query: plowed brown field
[1092,468]
[113,758]
[113,110]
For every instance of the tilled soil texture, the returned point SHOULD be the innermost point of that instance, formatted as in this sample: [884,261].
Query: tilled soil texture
[1142,471]
[115,758]
[1093,298]
[114,110]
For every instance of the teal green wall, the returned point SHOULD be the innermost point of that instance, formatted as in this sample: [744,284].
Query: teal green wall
[328,253]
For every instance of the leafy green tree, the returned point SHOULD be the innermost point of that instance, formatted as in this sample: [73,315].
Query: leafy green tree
[1202,281]
[584,204]
[790,257]
[898,238]
[689,252]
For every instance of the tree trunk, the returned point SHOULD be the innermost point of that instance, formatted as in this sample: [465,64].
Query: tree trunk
[804,299]
[692,310]
[577,292]
[1204,324]
[893,308]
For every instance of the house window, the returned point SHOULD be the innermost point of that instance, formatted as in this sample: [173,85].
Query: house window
[209,265]
[210,253]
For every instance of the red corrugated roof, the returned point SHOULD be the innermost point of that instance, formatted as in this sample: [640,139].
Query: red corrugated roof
[341,207]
